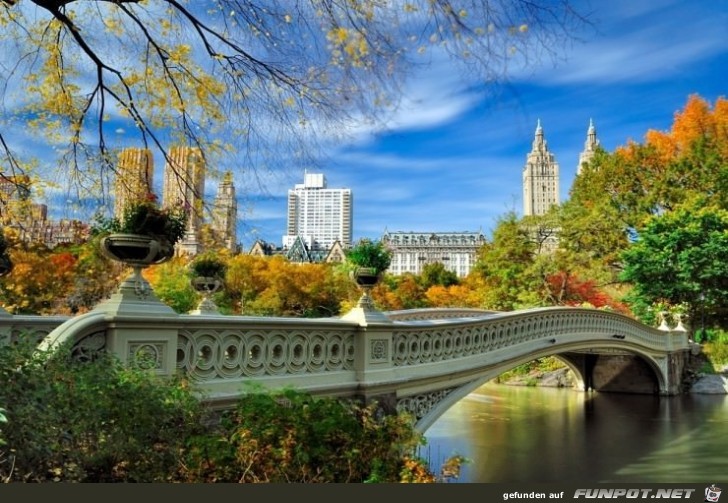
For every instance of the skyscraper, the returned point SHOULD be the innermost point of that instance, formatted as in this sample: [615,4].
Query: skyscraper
[225,213]
[319,215]
[184,183]
[540,177]
[590,147]
[134,177]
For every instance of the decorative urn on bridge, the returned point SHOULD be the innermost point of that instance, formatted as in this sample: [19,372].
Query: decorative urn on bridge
[368,260]
[207,276]
[143,236]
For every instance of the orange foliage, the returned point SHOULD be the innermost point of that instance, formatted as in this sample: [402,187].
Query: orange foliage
[663,143]
[694,121]
[451,296]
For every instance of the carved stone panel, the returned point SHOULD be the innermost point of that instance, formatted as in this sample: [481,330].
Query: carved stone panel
[379,350]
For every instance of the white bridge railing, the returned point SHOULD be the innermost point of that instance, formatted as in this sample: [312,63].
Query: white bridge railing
[364,353]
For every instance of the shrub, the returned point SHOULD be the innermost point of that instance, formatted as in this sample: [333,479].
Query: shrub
[100,421]
[290,436]
[91,422]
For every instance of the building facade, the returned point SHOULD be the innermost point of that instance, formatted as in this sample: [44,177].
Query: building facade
[184,183]
[411,251]
[540,177]
[318,215]
[225,213]
[134,178]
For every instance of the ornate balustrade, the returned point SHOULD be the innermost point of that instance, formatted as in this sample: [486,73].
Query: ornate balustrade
[19,327]
[435,314]
[423,360]
[422,342]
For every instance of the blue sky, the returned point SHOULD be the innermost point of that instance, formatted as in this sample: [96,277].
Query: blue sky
[452,158]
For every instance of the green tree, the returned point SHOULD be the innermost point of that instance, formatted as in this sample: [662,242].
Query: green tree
[171,283]
[679,258]
[436,274]
[506,266]
[270,73]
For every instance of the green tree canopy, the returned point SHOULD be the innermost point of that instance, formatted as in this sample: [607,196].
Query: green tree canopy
[436,274]
[681,257]
[506,265]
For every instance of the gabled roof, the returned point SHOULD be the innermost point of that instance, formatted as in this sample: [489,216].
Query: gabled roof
[336,253]
[298,252]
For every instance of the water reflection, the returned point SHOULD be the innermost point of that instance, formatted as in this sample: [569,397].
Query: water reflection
[514,434]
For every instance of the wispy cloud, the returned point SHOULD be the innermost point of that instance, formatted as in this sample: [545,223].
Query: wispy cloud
[646,42]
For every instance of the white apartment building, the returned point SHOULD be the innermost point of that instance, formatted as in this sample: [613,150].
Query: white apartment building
[318,215]
[411,251]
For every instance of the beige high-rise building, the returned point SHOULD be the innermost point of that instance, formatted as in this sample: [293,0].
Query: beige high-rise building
[134,177]
[225,213]
[590,147]
[184,183]
[540,177]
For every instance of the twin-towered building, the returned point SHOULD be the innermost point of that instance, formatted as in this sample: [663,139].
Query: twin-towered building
[541,184]
[541,172]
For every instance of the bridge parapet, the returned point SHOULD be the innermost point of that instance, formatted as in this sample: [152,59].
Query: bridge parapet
[416,363]
[422,342]
[436,314]
[14,328]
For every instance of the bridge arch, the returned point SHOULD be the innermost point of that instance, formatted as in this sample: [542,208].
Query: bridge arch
[568,355]
[577,337]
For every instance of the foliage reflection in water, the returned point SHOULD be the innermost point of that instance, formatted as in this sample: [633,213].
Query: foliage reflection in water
[545,435]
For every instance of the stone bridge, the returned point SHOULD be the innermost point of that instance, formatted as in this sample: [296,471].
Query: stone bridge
[420,361]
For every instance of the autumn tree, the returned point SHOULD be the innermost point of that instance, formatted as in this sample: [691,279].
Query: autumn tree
[68,279]
[618,194]
[273,286]
[260,79]
[456,295]
[664,172]
[403,291]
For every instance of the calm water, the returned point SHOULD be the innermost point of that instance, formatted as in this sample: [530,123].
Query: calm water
[544,435]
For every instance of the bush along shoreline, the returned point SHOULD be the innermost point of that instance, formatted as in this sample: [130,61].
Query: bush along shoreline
[100,421]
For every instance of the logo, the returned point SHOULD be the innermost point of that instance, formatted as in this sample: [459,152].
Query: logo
[712,493]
